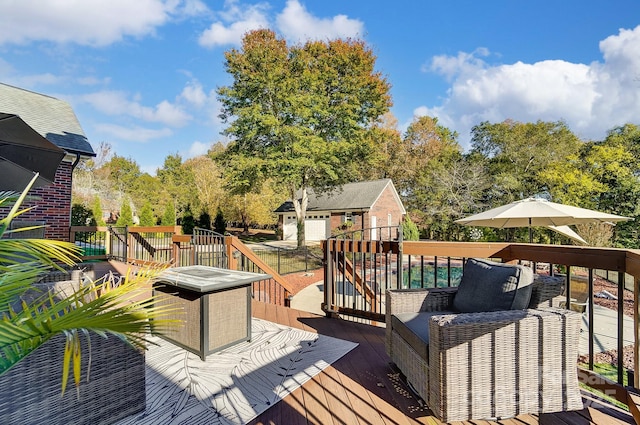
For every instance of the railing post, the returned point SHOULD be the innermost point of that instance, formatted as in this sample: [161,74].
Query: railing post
[621,277]
[175,253]
[328,276]
[233,262]
[400,271]
[636,330]
[126,243]
[107,242]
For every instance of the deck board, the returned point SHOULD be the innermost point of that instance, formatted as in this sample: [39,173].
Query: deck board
[363,387]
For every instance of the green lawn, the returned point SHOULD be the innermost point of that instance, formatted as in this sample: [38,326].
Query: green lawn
[610,372]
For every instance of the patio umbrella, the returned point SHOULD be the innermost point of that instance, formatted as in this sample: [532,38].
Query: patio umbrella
[23,153]
[568,232]
[537,212]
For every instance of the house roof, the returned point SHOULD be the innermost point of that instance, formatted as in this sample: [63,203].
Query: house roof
[351,196]
[52,118]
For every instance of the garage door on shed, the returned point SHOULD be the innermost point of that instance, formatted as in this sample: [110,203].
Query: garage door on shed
[315,227]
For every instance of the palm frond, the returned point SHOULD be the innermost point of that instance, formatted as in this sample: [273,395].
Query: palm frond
[111,305]
[108,306]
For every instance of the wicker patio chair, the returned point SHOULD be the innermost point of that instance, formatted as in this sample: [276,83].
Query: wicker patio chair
[494,364]
[112,385]
[115,388]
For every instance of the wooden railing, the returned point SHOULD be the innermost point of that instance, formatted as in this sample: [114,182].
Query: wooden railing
[165,245]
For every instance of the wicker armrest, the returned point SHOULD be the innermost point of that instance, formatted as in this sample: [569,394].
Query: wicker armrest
[503,359]
[414,301]
[417,300]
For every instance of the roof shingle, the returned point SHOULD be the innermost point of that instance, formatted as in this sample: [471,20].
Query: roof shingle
[53,118]
[351,196]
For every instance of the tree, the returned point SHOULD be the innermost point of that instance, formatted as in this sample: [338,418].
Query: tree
[146,215]
[177,182]
[208,182]
[81,216]
[391,155]
[301,115]
[219,224]
[126,214]
[97,211]
[442,184]
[517,153]
[410,231]
[169,215]
[87,180]
[254,208]
[188,221]
[615,166]
[124,172]
[204,221]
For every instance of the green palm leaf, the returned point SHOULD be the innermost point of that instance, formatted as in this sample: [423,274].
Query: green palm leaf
[111,305]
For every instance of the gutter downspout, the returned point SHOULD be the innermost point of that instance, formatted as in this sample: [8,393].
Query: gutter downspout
[74,164]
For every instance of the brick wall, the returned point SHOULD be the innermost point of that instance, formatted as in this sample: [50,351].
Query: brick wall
[52,206]
[386,204]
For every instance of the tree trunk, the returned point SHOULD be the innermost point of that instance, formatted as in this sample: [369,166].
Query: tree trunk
[300,206]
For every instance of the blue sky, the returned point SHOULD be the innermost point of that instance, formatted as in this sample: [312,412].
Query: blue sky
[142,75]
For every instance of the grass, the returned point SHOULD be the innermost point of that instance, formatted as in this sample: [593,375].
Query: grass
[610,372]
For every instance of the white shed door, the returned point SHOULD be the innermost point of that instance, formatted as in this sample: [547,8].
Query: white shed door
[315,229]
[290,229]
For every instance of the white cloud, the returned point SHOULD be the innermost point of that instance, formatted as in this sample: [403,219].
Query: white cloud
[235,22]
[117,103]
[9,75]
[197,149]
[133,134]
[93,81]
[590,98]
[451,66]
[297,24]
[194,94]
[94,23]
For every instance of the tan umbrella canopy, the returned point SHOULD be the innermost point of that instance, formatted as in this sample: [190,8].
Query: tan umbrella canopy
[537,212]
[23,153]
[568,232]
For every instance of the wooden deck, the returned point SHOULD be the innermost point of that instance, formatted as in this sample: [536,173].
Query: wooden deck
[364,388]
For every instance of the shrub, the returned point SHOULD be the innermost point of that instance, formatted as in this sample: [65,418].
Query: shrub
[409,230]
[219,223]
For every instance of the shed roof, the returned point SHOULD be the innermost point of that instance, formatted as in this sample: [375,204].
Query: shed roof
[53,118]
[351,196]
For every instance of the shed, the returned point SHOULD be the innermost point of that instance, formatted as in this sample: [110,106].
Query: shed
[373,204]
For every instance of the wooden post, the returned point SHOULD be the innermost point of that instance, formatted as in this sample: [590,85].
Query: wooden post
[636,330]
[233,261]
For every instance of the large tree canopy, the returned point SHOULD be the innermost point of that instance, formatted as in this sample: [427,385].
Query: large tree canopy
[301,114]
[517,154]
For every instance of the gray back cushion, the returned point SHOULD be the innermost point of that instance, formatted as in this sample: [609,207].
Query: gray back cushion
[490,286]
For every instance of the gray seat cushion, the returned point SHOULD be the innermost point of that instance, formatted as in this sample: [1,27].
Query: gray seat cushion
[414,329]
[490,286]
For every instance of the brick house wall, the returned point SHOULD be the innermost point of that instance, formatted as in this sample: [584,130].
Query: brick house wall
[388,212]
[52,206]
[337,220]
